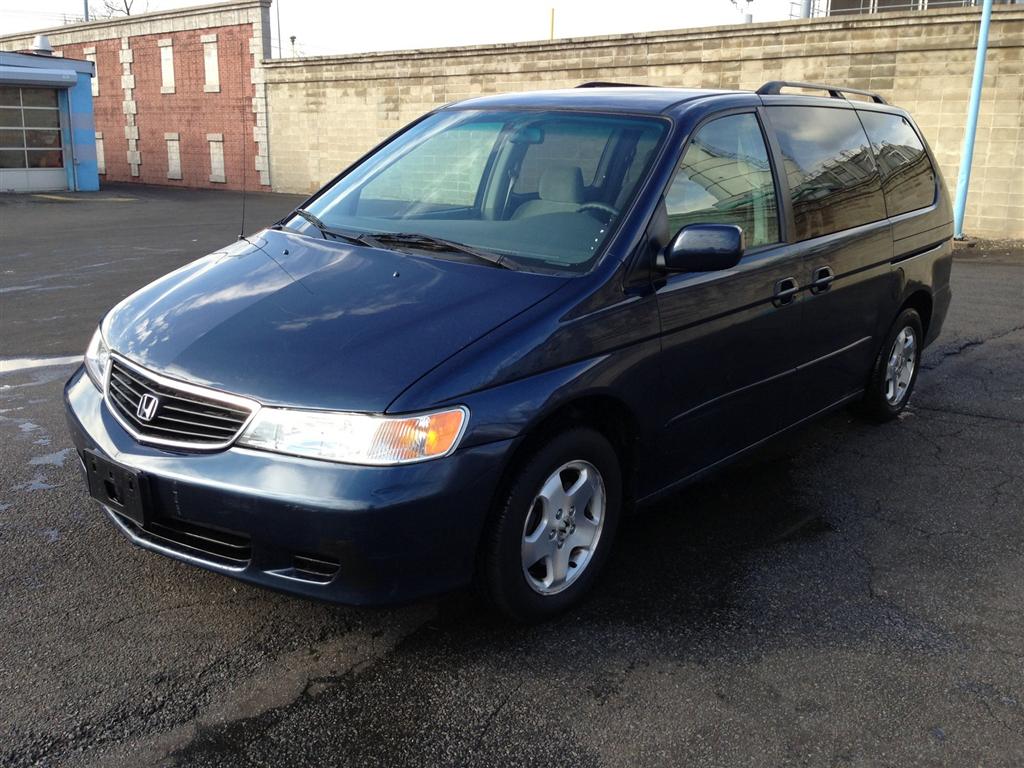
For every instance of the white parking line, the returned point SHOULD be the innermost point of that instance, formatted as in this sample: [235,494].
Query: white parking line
[25,363]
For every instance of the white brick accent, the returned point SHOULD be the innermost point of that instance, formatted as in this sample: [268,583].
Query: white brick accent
[166,66]
[216,141]
[173,156]
[259,47]
[101,158]
[130,108]
[90,55]
[211,65]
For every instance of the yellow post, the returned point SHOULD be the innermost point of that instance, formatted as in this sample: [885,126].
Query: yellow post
[552,34]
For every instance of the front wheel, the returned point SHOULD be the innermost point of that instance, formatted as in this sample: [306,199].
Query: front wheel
[554,528]
[896,369]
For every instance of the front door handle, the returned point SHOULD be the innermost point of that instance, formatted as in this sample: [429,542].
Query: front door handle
[785,291]
[821,279]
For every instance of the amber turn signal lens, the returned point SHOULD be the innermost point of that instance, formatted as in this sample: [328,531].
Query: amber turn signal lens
[419,437]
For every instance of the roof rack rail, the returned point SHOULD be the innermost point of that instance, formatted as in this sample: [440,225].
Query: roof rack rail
[774,87]
[604,84]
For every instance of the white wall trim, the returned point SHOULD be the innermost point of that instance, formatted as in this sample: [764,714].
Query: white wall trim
[130,108]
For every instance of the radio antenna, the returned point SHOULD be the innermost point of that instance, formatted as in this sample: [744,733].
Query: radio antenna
[245,140]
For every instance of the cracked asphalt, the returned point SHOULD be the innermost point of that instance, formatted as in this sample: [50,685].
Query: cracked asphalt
[849,596]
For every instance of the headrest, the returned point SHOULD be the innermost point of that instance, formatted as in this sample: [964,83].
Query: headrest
[562,184]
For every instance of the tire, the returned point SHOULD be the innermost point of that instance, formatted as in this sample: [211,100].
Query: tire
[571,533]
[889,389]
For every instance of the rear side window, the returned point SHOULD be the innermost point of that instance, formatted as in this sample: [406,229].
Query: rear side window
[833,179]
[725,178]
[908,179]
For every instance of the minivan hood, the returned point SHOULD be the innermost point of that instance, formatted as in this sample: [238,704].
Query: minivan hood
[290,320]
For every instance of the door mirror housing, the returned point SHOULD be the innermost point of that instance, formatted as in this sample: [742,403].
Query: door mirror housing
[703,248]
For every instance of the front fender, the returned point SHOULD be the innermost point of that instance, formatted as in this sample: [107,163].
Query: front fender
[512,410]
[594,341]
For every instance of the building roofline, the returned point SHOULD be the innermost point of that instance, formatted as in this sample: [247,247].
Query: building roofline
[38,61]
[117,21]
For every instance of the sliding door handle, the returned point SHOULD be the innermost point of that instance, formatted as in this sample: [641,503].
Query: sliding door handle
[821,279]
[785,291]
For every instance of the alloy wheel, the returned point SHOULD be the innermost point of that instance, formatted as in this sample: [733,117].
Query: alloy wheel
[563,527]
[899,370]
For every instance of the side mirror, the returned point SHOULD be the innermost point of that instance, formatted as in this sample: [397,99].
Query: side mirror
[703,248]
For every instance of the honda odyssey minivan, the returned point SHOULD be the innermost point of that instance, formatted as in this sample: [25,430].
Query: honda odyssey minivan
[473,351]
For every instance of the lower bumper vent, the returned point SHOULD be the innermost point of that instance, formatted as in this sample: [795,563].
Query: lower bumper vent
[220,547]
[317,569]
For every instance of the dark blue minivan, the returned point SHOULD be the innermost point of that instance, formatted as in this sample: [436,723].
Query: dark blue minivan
[468,355]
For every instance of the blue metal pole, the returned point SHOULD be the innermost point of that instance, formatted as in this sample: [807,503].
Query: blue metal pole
[967,155]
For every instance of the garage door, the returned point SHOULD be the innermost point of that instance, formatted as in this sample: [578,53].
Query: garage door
[31,155]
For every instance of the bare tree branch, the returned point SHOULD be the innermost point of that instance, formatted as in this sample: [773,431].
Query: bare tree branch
[108,9]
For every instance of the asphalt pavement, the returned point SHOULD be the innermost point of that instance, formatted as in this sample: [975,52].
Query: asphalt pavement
[851,595]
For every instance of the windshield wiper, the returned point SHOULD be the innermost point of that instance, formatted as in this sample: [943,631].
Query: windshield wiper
[326,231]
[431,243]
[411,239]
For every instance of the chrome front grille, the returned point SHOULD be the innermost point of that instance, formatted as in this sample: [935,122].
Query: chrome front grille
[159,410]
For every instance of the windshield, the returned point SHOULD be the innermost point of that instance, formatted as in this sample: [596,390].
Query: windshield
[541,189]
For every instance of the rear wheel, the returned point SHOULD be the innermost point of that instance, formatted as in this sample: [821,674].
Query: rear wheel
[555,526]
[895,372]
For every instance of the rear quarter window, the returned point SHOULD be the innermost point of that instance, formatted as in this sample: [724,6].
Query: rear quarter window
[833,179]
[908,178]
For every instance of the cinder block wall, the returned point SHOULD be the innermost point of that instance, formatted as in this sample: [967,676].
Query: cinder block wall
[325,112]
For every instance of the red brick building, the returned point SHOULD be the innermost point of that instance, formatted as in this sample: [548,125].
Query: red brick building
[179,96]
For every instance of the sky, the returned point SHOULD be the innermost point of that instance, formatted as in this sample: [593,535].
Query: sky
[324,27]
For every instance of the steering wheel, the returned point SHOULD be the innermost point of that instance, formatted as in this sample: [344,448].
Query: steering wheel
[602,207]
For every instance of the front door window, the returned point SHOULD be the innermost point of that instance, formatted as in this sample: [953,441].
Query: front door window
[725,178]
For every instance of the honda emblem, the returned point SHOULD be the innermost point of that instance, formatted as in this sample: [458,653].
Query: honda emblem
[147,407]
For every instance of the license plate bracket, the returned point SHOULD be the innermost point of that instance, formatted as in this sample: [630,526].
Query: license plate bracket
[115,486]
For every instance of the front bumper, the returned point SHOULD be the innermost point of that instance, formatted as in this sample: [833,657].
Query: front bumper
[358,535]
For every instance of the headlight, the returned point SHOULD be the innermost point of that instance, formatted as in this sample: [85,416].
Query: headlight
[356,438]
[97,359]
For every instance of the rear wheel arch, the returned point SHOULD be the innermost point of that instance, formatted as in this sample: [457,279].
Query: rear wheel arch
[876,404]
[920,300]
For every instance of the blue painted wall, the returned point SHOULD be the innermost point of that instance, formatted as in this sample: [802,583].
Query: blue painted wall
[83,173]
